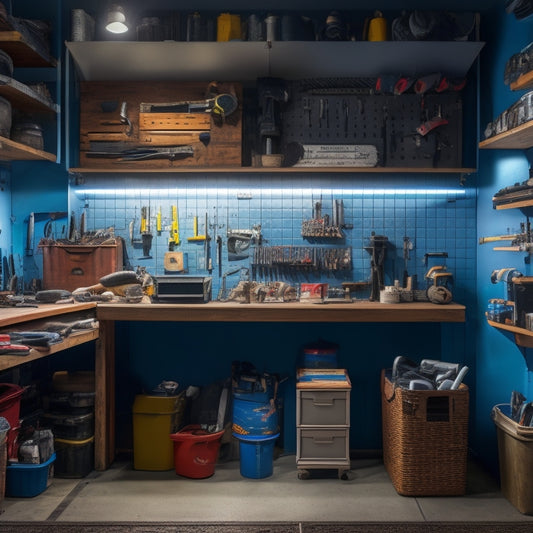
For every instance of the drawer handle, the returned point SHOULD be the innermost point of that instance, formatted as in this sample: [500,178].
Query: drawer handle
[323,441]
[324,403]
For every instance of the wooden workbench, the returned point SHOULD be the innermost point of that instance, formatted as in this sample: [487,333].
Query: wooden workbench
[108,313]
[32,318]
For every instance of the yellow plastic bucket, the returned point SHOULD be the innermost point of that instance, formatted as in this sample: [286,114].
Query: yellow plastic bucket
[154,419]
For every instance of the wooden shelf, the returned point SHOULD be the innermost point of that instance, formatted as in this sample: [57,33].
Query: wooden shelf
[22,53]
[13,151]
[358,311]
[75,339]
[281,170]
[523,337]
[525,81]
[23,97]
[515,205]
[519,138]
[30,318]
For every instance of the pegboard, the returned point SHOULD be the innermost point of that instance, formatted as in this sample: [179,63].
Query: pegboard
[330,116]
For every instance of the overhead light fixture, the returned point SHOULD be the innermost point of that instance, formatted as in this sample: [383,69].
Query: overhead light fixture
[116,20]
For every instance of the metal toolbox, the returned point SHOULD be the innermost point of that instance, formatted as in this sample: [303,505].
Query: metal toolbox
[182,289]
[323,408]
[326,445]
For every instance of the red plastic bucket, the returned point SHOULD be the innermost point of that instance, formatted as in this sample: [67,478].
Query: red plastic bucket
[196,451]
[10,409]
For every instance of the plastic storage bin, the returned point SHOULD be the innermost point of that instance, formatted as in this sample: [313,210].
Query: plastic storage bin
[74,458]
[256,455]
[515,453]
[196,451]
[4,428]
[28,480]
[10,396]
[70,426]
[425,439]
[155,418]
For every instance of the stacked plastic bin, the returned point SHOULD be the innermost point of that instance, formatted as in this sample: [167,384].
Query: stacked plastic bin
[70,416]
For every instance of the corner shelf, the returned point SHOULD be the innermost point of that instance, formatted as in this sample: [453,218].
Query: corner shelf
[519,138]
[522,337]
[525,81]
[13,151]
[23,53]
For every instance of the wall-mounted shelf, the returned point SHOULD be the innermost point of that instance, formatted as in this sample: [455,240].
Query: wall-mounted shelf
[22,52]
[523,337]
[519,138]
[13,151]
[247,60]
[516,205]
[23,97]
[281,170]
[525,81]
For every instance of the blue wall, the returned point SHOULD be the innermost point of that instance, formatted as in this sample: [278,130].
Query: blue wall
[500,363]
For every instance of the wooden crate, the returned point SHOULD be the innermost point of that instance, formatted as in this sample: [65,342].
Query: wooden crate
[70,267]
[100,104]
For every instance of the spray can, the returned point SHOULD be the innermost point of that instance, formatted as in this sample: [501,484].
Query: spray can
[377,28]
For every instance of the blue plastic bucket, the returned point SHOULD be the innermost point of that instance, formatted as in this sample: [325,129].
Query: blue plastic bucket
[256,455]
[255,418]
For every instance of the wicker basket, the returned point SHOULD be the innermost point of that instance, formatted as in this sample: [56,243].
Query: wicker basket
[425,439]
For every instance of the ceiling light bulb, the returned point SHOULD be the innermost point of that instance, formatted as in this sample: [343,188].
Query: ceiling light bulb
[116,20]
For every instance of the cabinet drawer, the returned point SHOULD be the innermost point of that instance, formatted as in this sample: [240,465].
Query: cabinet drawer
[322,444]
[323,408]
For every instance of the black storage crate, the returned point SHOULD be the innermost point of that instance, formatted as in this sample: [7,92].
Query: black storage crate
[70,426]
[74,458]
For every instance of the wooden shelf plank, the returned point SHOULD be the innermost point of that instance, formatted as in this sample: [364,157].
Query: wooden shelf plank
[22,53]
[281,170]
[519,138]
[515,205]
[13,151]
[23,97]
[525,81]
[75,339]
[523,337]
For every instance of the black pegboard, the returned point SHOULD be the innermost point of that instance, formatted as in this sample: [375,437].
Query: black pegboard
[343,115]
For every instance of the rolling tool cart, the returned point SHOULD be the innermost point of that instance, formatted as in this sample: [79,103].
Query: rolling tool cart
[323,421]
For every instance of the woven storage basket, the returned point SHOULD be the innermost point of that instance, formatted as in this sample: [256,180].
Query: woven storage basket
[425,439]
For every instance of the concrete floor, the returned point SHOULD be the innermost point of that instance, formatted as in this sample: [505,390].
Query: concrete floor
[124,494]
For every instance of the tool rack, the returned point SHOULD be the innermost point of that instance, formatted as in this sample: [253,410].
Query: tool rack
[323,421]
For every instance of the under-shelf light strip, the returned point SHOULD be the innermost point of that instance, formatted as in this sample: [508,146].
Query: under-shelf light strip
[266,191]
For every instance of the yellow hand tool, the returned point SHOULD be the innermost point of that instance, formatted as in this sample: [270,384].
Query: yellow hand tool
[196,237]
[174,238]
[158,222]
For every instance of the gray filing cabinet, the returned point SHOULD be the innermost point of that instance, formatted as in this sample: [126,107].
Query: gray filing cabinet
[323,421]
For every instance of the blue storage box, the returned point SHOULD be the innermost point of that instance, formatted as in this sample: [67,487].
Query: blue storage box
[25,480]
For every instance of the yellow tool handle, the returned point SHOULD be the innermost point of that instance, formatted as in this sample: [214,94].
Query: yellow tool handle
[158,221]
[483,240]
[195,226]
[174,230]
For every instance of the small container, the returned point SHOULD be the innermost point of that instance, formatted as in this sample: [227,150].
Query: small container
[27,480]
[256,455]
[28,133]
[196,451]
